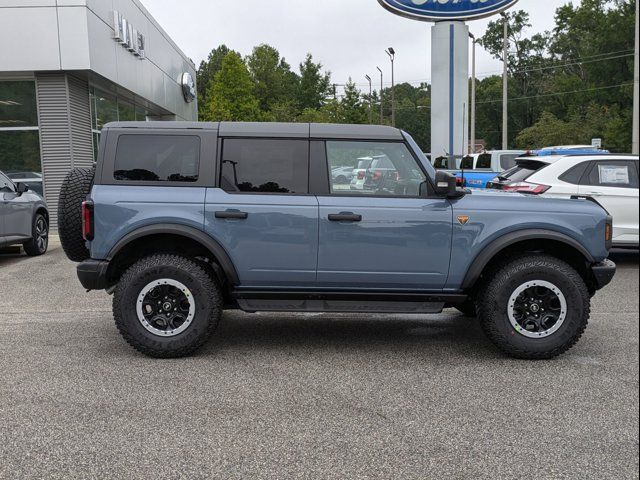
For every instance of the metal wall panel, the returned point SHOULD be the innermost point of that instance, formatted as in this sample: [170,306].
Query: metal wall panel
[65,131]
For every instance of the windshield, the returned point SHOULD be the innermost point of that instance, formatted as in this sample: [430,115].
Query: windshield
[421,156]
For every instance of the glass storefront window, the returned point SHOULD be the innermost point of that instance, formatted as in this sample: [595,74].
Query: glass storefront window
[106,108]
[126,111]
[20,151]
[18,106]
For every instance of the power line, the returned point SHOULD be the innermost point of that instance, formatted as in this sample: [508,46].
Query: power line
[559,93]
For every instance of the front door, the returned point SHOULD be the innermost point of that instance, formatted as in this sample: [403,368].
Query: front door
[16,211]
[385,235]
[614,184]
[263,215]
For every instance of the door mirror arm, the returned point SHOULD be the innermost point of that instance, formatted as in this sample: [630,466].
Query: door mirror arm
[21,188]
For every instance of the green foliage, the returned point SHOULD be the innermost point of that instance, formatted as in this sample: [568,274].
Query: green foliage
[313,87]
[206,74]
[232,94]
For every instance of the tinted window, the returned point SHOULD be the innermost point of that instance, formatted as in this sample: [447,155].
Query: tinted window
[612,173]
[441,163]
[157,158]
[508,160]
[484,162]
[393,170]
[522,171]
[265,166]
[574,174]
[466,163]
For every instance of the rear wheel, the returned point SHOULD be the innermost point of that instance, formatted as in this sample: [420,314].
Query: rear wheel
[39,237]
[75,188]
[535,307]
[166,306]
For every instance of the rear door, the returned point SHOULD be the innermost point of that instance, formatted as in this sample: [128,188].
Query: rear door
[384,238]
[262,212]
[614,184]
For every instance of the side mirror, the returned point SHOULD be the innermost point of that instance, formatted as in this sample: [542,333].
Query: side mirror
[22,188]
[446,185]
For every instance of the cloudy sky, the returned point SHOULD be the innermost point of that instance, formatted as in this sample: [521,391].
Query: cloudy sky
[348,36]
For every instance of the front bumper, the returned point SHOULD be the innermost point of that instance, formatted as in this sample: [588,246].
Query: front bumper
[603,273]
[93,274]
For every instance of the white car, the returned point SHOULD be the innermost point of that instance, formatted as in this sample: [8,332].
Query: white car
[609,179]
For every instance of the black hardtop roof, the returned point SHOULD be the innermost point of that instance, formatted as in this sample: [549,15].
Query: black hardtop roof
[270,129]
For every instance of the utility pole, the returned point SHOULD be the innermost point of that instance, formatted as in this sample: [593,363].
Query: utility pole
[505,86]
[381,103]
[392,55]
[472,137]
[370,99]
[636,126]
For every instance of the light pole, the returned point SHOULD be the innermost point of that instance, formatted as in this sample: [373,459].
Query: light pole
[370,99]
[392,55]
[381,103]
[472,142]
[505,86]
[636,147]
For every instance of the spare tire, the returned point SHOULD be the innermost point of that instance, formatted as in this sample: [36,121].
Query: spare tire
[75,188]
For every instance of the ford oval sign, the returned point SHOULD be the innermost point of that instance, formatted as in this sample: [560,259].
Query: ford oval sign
[435,10]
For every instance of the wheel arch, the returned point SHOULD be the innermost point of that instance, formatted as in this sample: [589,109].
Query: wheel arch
[182,237]
[529,240]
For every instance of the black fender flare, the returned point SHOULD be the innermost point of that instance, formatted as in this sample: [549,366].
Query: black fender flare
[192,233]
[490,251]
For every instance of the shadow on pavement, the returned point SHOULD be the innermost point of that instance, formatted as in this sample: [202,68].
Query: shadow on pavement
[625,257]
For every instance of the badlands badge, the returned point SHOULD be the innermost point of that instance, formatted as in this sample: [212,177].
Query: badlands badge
[463,219]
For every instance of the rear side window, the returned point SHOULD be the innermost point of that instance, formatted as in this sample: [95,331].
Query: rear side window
[466,163]
[575,174]
[621,174]
[508,160]
[157,158]
[484,162]
[265,166]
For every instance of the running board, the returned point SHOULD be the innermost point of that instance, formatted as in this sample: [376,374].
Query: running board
[343,302]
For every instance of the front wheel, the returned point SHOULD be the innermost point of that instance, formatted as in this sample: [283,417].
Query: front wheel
[535,307]
[166,306]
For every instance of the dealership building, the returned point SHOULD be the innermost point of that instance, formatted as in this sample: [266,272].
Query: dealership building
[67,67]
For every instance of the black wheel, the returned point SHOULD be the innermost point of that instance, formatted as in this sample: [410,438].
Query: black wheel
[39,237]
[166,306]
[535,307]
[75,188]
[468,308]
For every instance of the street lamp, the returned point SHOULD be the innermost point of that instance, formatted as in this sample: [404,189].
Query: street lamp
[505,85]
[381,103]
[370,99]
[472,143]
[392,55]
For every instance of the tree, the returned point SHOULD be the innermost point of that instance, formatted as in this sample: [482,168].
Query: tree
[275,83]
[353,111]
[314,84]
[206,74]
[232,97]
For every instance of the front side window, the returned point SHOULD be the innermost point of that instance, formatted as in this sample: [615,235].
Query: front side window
[621,174]
[265,166]
[379,169]
[5,184]
[157,158]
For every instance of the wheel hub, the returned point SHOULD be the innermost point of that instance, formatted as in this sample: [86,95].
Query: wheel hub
[537,309]
[165,307]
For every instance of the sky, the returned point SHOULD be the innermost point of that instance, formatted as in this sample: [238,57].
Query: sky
[348,37]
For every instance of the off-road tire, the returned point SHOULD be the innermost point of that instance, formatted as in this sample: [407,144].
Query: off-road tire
[503,281]
[75,188]
[468,308]
[206,294]
[37,246]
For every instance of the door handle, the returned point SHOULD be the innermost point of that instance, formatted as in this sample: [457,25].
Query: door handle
[232,215]
[345,217]
[594,194]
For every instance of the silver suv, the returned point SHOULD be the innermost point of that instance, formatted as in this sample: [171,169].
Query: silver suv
[24,218]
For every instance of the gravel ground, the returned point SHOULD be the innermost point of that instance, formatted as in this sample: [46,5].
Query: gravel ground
[307,396]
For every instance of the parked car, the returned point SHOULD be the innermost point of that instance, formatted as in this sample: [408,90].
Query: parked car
[342,175]
[608,179]
[24,218]
[478,169]
[569,150]
[32,179]
[263,227]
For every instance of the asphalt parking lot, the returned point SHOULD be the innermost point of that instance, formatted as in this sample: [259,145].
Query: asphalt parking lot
[307,396]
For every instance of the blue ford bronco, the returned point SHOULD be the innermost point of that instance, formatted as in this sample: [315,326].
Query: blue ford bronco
[180,221]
